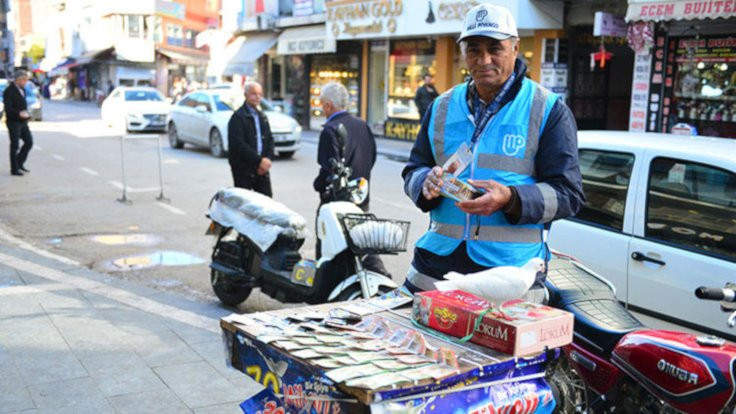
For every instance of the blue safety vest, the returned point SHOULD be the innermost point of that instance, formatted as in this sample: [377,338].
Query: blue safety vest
[505,152]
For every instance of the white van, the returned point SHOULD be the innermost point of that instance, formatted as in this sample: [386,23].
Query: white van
[659,220]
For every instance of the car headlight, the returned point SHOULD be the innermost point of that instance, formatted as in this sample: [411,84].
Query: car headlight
[134,116]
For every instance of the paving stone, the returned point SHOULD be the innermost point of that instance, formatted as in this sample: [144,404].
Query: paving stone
[13,394]
[191,334]
[70,396]
[162,348]
[120,373]
[155,402]
[199,385]
[41,366]
[214,353]
[134,321]
[9,277]
[13,306]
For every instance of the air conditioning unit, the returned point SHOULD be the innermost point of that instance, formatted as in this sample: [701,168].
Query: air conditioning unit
[265,22]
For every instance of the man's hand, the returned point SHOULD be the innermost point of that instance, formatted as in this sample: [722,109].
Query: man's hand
[24,114]
[432,184]
[264,166]
[496,197]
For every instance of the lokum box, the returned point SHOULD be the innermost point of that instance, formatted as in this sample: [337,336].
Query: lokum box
[516,328]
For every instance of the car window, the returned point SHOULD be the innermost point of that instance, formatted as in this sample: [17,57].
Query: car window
[115,95]
[187,101]
[266,105]
[203,100]
[606,177]
[143,95]
[692,205]
[225,102]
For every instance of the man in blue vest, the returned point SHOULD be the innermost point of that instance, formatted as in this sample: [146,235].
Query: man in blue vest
[520,144]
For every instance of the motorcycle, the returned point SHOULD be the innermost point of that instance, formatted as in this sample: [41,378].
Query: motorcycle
[258,241]
[616,364]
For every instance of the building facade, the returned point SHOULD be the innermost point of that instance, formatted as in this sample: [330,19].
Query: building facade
[685,66]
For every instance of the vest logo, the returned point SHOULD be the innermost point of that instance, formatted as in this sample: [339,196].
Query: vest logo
[512,144]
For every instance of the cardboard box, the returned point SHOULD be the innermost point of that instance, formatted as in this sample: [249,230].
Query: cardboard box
[520,328]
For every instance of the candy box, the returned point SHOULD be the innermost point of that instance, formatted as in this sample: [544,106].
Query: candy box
[516,328]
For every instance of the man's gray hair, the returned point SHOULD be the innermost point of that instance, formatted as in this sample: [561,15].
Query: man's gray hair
[249,85]
[464,45]
[20,73]
[336,93]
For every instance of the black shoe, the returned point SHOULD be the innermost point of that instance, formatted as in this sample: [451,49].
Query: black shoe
[24,169]
[17,173]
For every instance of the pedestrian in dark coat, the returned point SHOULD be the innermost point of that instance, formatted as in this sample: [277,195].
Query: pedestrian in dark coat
[251,143]
[359,153]
[16,119]
[426,94]
[360,146]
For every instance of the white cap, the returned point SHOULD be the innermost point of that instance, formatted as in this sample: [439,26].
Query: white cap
[490,21]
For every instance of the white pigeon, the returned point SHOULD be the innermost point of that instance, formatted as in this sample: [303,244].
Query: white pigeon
[496,285]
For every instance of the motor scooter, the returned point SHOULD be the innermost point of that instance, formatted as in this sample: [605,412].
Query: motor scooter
[258,241]
[616,364]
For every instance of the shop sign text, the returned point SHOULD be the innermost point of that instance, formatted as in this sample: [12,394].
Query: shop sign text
[364,17]
[403,130]
[688,10]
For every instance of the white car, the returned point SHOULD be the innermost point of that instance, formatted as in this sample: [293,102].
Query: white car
[659,221]
[136,108]
[201,117]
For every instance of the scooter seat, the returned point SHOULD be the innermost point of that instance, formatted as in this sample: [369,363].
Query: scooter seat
[600,320]
[256,206]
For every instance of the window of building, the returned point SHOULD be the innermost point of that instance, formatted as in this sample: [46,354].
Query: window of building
[174,34]
[158,33]
[692,205]
[606,177]
[409,61]
[134,26]
[189,38]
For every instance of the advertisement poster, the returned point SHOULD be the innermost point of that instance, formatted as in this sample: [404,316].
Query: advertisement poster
[640,92]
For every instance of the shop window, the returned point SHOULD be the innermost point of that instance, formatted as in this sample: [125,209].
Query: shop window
[158,33]
[692,205]
[409,61]
[704,92]
[606,177]
[341,67]
[189,39]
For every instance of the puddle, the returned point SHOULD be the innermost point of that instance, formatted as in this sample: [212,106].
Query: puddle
[162,258]
[167,282]
[122,239]
[55,241]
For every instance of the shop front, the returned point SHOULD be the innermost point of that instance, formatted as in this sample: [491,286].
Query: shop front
[688,75]
[401,44]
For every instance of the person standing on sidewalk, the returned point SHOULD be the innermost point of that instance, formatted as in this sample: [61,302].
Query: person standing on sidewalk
[251,143]
[518,144]
[360,152]
[426,94]
[16,119]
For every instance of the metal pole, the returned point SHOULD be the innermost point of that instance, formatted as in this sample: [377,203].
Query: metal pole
[160,171]
[124,198]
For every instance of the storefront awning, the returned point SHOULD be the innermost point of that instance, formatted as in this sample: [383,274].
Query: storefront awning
[62,68]
[680,10]
[184,58]
[245,51]
[305,40]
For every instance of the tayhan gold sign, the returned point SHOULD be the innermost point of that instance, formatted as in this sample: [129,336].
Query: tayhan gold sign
[364,17]
[401,129]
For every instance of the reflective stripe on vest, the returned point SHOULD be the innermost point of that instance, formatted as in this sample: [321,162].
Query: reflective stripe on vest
[524,166]
[503,234]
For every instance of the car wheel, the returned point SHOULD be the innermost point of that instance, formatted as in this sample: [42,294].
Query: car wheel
[286,154]
[174,137]
[216,147]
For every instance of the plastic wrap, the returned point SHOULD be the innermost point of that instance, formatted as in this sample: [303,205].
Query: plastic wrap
[256,216]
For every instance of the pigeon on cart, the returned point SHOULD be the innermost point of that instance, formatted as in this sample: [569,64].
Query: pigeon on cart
[496,285]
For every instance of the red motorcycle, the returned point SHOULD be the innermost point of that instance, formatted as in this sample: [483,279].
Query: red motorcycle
[616,364]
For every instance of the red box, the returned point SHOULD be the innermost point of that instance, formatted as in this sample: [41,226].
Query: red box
[521,328]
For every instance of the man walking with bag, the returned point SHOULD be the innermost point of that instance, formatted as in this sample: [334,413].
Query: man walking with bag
[16,119]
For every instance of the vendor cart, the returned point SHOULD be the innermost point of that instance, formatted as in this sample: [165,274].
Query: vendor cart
[460,378]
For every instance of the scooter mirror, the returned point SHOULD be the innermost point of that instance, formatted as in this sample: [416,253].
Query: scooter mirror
[342,136]
[359,190]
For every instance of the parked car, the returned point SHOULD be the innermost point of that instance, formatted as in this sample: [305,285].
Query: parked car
[137,108]
[659,220]
[200,118]
[34,101]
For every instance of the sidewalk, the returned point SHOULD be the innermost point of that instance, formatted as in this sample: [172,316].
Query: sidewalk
[390,148]
[76,341]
